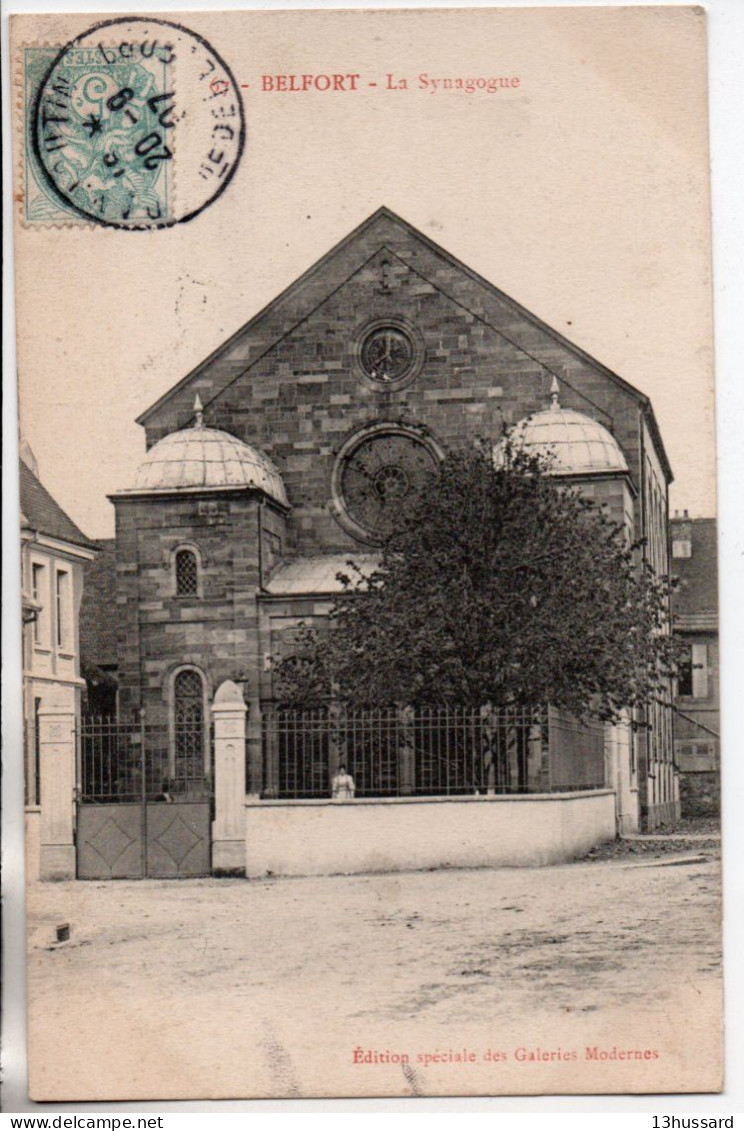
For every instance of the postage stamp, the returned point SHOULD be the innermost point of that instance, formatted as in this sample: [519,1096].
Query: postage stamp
[111,118]
[92,151]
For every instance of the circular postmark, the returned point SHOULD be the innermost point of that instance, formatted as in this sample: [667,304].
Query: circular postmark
[138,124]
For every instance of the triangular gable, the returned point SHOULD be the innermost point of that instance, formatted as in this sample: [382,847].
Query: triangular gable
[383,229]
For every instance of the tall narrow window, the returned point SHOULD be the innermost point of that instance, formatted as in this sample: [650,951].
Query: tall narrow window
[188,710]
[37,592]
[63,608]
[684,674]
[187,574]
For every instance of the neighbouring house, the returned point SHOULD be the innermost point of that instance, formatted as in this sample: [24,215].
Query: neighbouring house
[695,608]
[54,555]
[282,455]
[98,660]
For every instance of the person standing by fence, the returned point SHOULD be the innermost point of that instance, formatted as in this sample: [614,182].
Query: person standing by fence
[342,785]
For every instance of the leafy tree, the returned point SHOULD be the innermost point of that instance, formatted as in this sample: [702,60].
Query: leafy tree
[499,585]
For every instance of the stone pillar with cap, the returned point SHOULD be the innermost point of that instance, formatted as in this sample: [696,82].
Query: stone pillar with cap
[228,829]
[57,774]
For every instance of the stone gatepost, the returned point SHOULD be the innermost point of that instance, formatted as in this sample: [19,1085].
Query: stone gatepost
[228,830]
[57,773]
[619,774]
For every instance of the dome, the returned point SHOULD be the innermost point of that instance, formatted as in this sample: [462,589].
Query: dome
[201,458]
[577,444]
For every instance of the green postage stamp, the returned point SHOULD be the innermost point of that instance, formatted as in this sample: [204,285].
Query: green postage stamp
[97,136]
[106,117]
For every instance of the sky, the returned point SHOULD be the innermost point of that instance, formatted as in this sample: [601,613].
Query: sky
[582,193]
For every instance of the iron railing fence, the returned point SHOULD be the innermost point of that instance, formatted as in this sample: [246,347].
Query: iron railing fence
[577,753]
[429,751]
[132,761]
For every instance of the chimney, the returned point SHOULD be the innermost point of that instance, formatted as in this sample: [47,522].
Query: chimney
[682,535]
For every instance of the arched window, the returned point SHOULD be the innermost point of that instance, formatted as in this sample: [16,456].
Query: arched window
[187,574]
[188,728]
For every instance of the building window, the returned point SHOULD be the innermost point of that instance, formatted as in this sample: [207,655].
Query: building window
[63,609]
[381,469]
[692,678]
[188,718]
[389,352]
[681,548]
[681,537]
[37,593]
[187,574]
[684,675]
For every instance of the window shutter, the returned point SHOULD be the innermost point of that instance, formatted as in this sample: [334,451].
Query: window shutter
[700,671]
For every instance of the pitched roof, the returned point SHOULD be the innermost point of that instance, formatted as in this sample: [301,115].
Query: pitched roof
[252,340]
[696,594]
[98,608]
[318,574]
[44,514]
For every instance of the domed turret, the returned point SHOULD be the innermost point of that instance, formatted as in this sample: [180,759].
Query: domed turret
[202,458]
[574,443]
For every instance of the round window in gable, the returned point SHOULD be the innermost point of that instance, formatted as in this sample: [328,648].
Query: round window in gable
[377,473]
[389,353]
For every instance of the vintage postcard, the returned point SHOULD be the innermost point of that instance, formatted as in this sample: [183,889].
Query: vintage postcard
[368,538]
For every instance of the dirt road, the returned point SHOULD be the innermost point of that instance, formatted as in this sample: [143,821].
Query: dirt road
[418,983]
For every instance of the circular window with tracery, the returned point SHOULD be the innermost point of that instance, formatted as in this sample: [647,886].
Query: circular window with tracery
[389,353]
[378,473]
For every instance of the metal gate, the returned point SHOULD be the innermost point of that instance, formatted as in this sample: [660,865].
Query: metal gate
[144,800]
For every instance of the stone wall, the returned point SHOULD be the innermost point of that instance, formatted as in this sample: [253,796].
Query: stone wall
[291,382]
[216,630]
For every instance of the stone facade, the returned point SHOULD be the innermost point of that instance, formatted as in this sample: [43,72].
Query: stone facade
[292,384]
[217,629]
[54,554]
[697,723]
[289,382]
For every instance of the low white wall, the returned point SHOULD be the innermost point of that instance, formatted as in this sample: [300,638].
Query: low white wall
[303,838]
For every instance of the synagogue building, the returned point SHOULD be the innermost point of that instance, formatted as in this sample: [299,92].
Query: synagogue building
[285,454]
